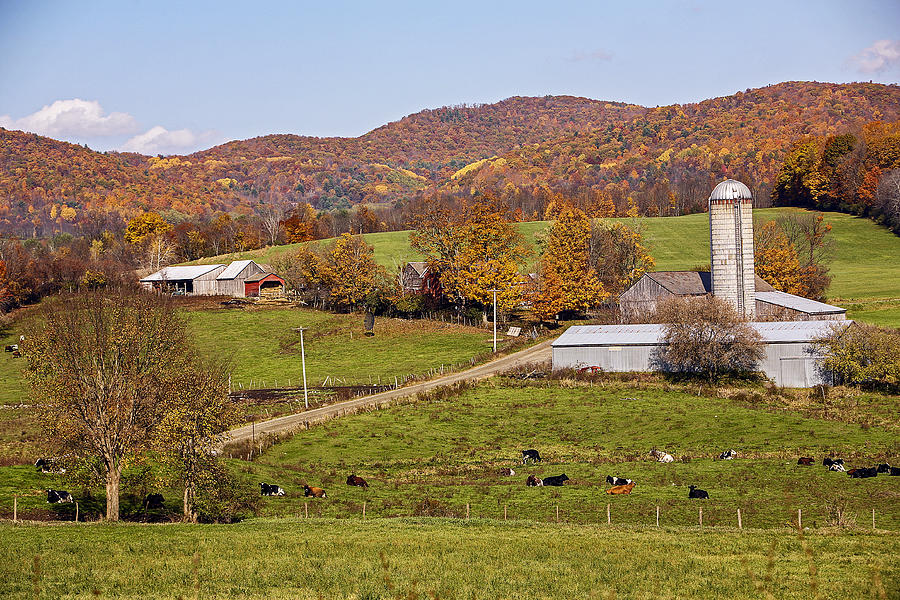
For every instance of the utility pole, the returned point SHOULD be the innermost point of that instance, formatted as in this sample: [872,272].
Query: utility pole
[303,360]
[495,290]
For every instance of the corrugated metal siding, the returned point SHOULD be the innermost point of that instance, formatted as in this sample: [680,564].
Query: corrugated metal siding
[235,286]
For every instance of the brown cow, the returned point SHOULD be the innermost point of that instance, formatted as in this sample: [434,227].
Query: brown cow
[805,460]
[621,489]
[357,481]
[315,492]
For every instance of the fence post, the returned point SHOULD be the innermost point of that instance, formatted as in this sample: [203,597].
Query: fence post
[557,513]
[76,512]
[873,519]
[608,520]
[701,517]
[504,512]
[306,510]
[467,510]
[740,525]
[657,516]
[15,507]
[800,519]
[364,509]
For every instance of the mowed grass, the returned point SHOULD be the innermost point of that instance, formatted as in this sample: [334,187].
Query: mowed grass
[263,346]
[439,558]
[865,264]
[436,457]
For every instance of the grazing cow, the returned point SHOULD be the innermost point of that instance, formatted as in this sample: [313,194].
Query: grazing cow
[532,455]
[662,456]
[507,472]
[827,462]
[895,471]
[533,481]
[621,489]
[805,460]
[884,468]
[154,501]
[357,481]
[727,455]
[617,480]
[556,480]
[314,492]
[863,472]
[838,467]
[48,465]
[12,347]
[58,496]
[266,489]
[697,493]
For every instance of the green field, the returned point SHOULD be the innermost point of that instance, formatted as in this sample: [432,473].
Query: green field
[865,265]
[440,558]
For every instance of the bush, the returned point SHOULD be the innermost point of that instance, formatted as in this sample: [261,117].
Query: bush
[863,355]
[221,499]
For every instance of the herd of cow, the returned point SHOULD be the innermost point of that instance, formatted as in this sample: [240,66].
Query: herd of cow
[837,464]
[619,485]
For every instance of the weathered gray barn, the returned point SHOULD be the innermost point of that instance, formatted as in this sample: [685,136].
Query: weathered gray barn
[231,281]
[638,303]
[194,280]
[790,357]
[412,276]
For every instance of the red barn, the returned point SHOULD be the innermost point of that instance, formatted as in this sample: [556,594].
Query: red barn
[264,284]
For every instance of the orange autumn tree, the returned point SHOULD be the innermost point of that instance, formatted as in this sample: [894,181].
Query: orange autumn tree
[776,259]
[567,281]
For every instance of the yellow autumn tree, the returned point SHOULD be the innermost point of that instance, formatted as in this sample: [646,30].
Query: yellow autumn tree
[354,275]
[776,259]
[618,255]
[491,251]
[567,281]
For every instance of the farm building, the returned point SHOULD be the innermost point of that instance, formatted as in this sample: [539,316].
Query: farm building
[231,281]
[240,279]
[640,300]
[264,284]
[790,357]
[195,280]
[412,276]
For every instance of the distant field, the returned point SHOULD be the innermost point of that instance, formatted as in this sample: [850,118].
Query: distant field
[439,558]
[866,264]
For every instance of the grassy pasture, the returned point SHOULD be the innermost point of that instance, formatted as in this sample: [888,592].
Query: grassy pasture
[865,265]
[435,457]
[439,558]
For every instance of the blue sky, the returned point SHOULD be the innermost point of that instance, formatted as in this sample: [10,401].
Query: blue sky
[174,77]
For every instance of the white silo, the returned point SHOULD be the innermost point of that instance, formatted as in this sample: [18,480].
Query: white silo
[731,245]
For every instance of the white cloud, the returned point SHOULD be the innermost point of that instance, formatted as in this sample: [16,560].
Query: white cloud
[159,140]
[878,57]
[73,118]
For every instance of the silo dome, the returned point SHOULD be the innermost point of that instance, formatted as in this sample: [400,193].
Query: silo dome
[730,189]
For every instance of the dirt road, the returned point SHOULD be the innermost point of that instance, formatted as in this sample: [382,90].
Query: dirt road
[536,354]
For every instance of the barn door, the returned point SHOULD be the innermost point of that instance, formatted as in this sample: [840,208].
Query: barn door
[797,371]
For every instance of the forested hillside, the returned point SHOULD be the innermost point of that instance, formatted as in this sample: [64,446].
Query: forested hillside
[529,151]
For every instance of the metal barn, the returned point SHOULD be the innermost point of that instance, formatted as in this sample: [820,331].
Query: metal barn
[196,280]
[790,358]
[232,280]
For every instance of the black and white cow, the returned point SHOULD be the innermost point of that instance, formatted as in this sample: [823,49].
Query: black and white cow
[266,489]
[58,496]
[556,480]
[728,455]
[884,468]
[617,480]
[48,465]
[837,466]
[532,455]
[533,481]
[697,493]
[828,461]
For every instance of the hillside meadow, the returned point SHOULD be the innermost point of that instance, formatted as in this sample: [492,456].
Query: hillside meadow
[440,558]
[865,264]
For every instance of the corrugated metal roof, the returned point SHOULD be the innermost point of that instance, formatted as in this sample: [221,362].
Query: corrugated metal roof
[730,189]
[799,303]
[234,269]
[651,334]
[419,266]
[694,283]
[261,276]
[181,273]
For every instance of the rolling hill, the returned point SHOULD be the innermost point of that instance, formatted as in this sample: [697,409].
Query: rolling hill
[543,146]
